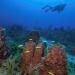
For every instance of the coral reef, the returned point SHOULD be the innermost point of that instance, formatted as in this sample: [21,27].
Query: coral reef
[3,48]
[53,64]
[39,57]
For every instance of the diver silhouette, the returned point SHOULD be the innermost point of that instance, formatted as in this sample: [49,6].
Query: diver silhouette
[58,8]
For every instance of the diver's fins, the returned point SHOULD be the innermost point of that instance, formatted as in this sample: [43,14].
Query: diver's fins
[49,9]
[47,6]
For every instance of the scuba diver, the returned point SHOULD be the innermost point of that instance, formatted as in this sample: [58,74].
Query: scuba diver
[58,8]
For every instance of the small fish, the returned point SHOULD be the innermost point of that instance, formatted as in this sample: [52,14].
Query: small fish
[20,46]
[37,47]
[30,39]
[44,41]
[27,51]
[50,73]
[53,41]
[3,29]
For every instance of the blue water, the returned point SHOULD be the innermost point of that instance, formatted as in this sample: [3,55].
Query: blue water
[29,13]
